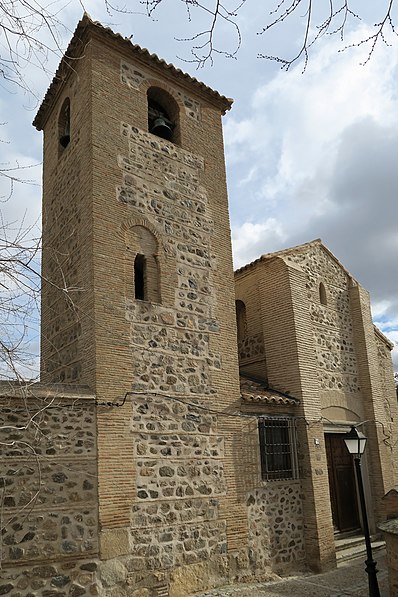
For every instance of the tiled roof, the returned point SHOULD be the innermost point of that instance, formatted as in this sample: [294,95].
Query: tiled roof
[76,48]
[255,392]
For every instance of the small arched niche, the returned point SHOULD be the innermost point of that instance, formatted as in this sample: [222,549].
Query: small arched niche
[64,126]
[241,321]
[163,115]
[146,267]
[322,294]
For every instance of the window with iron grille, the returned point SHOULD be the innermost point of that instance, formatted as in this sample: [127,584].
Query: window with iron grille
[277,448]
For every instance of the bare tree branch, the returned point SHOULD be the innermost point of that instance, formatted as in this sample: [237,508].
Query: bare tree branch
[19,295]
[325,17]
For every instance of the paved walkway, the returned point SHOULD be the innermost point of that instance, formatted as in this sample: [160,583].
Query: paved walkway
[350,579]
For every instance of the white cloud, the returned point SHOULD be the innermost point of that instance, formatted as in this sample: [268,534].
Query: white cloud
[297,147]
[393,336]
[248,238]
[297,120]
[323,147]
[380,309]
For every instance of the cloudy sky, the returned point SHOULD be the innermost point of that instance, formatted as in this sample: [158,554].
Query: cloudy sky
[308,154]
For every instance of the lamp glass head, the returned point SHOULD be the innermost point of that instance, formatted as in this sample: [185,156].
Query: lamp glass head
[355,441]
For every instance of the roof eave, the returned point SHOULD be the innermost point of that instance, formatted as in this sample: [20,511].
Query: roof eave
[268,257]
[76,47]
[384,338]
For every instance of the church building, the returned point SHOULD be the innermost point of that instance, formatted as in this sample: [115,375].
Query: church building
[187,428]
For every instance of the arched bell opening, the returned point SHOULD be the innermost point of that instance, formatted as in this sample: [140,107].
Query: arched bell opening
[163,115]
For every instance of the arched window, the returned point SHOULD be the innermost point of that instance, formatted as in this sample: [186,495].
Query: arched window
[64,125]
[322,294]
[163,115]
[146,267]
[241,322]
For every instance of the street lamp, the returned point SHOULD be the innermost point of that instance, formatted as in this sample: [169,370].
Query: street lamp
[356,443]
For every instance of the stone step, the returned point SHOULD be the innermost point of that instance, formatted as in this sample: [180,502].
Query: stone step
[357,550]
[350,541]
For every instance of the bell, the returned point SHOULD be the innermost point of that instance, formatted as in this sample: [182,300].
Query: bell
[161,128]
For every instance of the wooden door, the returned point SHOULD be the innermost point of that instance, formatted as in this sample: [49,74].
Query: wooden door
[343,493]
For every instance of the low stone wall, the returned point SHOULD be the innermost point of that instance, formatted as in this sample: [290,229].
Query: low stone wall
[48,491]
[276,529]
[56,579]
[176,542]
[390,533]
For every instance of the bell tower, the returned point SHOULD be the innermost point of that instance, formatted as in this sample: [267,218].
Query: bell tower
[138,293]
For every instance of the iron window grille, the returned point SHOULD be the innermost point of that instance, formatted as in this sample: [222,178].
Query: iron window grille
[278,448]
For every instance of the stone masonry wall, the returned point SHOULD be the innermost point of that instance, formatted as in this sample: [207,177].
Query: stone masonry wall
[178,456]
[275,291]
[251,347]
[276,526]
[177,449]
[388,393]
[180,477]
[174,349]
[175,520]
[390,535]
[170,344]
[332,325]
[48,480]
[386,376]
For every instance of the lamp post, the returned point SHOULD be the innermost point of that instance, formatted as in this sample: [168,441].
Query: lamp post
[356,443]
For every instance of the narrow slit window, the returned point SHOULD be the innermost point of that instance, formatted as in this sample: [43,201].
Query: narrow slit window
[139,277]
[145,277]
[241,321]
[64,125]
[322,294]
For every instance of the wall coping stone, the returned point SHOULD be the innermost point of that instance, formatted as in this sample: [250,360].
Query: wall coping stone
[390,526]
[16,389]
